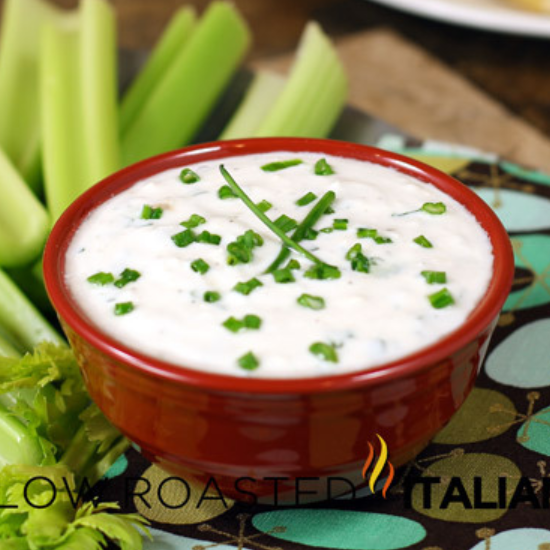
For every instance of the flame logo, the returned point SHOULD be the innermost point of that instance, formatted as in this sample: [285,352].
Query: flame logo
[379,466]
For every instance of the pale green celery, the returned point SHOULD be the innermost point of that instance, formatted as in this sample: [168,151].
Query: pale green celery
[315,93]
[189,89]
[7,349]
[24,222]
[171,43]
[260,96]
[78,100]
[20,319]
[22,22]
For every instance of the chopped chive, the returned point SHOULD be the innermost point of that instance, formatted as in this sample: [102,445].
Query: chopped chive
[247,287]
[241,250]
[363,233]
[311,234]
[188,177]
[324,351]
[122,308]
[326,230]
[359,262]
[291,243]
[211,296]
[101,278]
[423,242]
[306,199]
[194,221]
[127,276]
[283,275]
[340,224]
[323,168]
[251,322]
[434,277]
[441,299]
[285,223]
[184,238]
[435,208]
[248,361]
[330,210]
[293,264]
[225,192]
[280,165]
[200,266]
[150,213]
[311,302]
[323,272]
[208,238]
[263,205]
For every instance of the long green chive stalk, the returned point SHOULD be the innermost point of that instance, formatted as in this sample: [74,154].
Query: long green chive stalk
[21,320]
[301,231]
[24,222]
[236,188]
[264,91]
[79,102]
[197,76]
[171,43]
[315,92]
[22,22]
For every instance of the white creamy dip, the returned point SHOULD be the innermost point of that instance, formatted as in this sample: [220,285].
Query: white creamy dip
[368,318]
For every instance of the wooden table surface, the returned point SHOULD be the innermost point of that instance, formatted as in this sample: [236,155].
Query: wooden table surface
[513,70]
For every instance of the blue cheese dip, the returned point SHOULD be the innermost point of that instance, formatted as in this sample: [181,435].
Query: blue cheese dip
[175,266]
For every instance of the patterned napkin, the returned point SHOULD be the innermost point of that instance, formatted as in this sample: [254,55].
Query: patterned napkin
[501,435]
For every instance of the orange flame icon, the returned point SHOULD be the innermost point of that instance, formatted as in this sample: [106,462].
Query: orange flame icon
[379,466]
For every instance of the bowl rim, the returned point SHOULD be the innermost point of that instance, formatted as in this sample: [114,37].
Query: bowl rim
[483,315]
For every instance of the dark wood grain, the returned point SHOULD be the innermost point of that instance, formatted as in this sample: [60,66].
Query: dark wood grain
[514,70]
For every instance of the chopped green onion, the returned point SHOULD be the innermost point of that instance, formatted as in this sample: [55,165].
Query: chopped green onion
[184,238]
[311,234]
[211,296]
[194,221]
[127,276]
[248,361]
[122,308]
[286,240]
[434,277]
[326,230]
[323,168]
[247,287]
[200,266]
[363,233]
[359,262]
[224,192]
[323,272]
[101,278]
[324,351]
[330,210]
[264,206]
[435,208]
[293,264]
[251,322]
[306,199]
[188,177]
[241,250]
[441,299]
[150,213]
[280,165]
[423,242]
[208,238]
[311,302]
[283,275]
[340,225]
[285,223]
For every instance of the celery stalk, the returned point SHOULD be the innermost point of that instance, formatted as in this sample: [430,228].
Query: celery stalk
[20,318]
[315,93]
[19,100]
[78,98]
[24,223]
[7,349]
[188,90]
[260,96]
[171,43]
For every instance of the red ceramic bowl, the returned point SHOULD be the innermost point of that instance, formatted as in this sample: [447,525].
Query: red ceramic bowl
[206,425]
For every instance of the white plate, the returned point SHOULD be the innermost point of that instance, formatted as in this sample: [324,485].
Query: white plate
[493,15]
